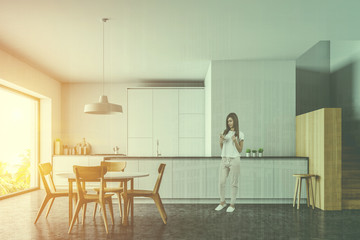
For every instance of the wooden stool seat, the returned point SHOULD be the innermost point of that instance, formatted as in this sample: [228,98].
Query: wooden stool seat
[308,180]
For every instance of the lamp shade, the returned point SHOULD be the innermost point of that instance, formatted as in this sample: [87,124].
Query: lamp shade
[102,107]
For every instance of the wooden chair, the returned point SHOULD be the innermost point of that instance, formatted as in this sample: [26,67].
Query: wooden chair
[45,171]
[113,167]
[91,174]
[154,194]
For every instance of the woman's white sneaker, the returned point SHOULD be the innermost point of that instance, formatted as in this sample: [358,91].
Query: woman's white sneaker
[220,207]
[230,209]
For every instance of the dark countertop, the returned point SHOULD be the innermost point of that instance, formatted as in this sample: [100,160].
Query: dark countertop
[115,156]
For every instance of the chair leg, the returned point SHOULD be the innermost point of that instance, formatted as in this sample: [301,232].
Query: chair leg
[312,194]
[95,209]
[307,192]
[111,210]
[160,207]
[75,216]
[45,201]
[104,216]
[84,213]
[120,208]
[299,193]
[296,190]
[49,207]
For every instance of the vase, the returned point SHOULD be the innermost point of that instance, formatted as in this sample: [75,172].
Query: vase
[260,154]
[247,155]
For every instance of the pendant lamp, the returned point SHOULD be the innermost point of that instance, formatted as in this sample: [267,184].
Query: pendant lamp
[103,106]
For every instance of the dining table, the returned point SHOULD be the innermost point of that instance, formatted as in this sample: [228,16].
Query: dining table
[123,177]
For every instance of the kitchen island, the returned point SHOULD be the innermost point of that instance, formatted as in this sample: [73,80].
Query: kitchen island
[189,179]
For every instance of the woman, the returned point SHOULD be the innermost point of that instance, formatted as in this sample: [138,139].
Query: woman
[231,144]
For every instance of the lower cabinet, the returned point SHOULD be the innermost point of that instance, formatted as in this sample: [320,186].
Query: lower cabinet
[284,182]
[189,178]
[198,178]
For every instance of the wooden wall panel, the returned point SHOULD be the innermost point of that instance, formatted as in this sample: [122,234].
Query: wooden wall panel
[318,136]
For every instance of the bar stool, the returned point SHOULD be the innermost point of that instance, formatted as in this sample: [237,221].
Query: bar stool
[308,180]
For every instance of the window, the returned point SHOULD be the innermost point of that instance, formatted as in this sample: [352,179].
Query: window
[19,141]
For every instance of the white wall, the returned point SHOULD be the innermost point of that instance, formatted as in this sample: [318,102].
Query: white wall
[16,74]
[262,94]
[208,112]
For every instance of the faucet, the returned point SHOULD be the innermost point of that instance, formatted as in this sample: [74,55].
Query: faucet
[157,148]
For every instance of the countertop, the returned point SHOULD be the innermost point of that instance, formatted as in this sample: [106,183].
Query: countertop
[114,156]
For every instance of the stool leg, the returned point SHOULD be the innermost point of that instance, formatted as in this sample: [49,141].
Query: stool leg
[296,189]
[307,192]
[299,193]
[312,194]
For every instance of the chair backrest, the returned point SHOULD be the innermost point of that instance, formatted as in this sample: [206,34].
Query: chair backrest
[114,166]
[89,174]
[158,181]
[45,170]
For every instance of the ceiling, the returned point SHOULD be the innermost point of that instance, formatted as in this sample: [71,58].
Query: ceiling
[165,40]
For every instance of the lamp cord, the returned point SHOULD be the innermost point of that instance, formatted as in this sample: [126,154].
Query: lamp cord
[104,20]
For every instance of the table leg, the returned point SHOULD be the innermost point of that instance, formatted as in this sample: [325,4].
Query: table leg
[125,215]
[70,200]
[132,202]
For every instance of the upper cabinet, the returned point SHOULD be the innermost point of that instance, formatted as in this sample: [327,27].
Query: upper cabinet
[166,121]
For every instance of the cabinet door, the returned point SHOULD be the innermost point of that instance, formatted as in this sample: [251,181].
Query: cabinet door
[191,101]
[284,182]
[151,167]
[165,122]
[140,102]
[256,178]
[140,146]
[212,178]
[191,147]
[189,178]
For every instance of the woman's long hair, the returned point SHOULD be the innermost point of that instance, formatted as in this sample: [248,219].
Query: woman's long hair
[236,124]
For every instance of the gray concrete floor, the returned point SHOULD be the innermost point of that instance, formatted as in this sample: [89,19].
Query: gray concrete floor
[185,221]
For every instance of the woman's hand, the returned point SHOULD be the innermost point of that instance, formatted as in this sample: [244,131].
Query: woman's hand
[221,138]
[233,138]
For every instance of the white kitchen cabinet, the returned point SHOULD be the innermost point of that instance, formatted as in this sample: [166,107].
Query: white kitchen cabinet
[140,146]
[165,122]
[151,166]
[189,178]
[140,108]
[284,182]
[256,178]
[192,125]
[191,147]
[212,177]
[172,118]
[191,100]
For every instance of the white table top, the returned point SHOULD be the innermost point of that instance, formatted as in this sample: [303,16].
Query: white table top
[108,175]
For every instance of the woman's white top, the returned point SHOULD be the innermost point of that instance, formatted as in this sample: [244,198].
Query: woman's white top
[229,149]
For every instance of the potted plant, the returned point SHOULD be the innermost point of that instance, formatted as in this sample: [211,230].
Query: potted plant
[261,150]
[254,153]
[248,151]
